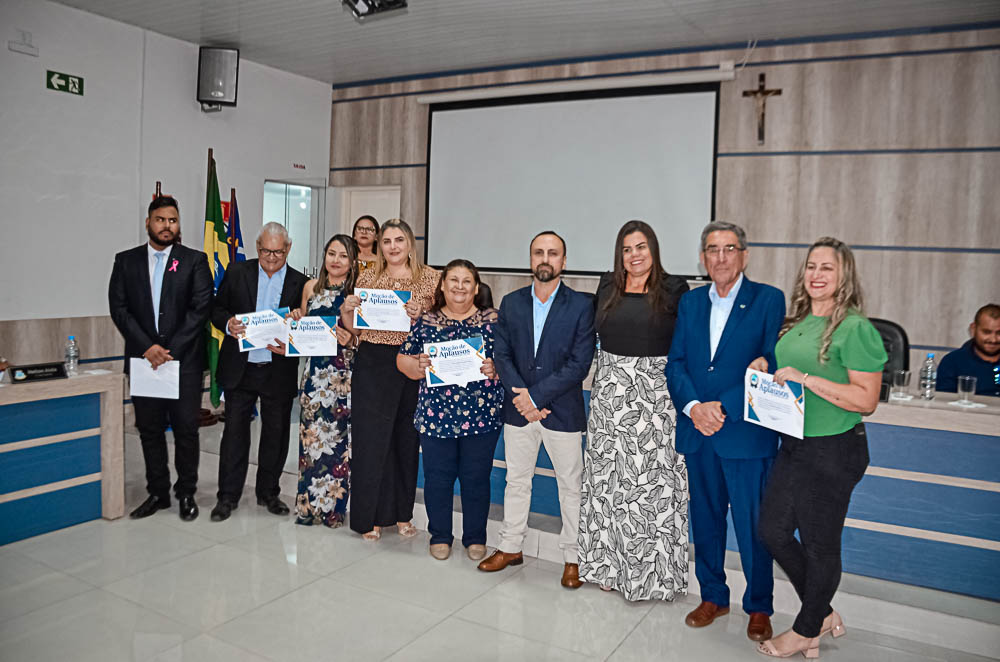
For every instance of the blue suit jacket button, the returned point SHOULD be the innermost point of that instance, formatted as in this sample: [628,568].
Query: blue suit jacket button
[711,368]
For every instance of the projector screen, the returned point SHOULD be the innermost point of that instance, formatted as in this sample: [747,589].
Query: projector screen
[500,171]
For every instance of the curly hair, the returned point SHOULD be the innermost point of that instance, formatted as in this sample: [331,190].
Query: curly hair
[847,298]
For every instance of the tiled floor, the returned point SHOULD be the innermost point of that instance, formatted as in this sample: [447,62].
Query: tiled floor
[258,587]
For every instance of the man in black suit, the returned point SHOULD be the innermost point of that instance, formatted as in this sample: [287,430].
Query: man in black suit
[255,285]
[160,295]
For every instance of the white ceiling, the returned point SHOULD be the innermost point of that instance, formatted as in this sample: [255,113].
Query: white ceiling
[321,40]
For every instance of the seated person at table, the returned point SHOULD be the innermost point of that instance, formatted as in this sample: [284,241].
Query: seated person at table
[979,357]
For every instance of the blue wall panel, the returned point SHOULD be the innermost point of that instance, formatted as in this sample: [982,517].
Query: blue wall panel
[45,418]
[958,510]
[955,568]
[47,512]
[934,451]
[41,465]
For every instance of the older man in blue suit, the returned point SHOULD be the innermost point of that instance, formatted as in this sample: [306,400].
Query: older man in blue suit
[720,330]
[544,346]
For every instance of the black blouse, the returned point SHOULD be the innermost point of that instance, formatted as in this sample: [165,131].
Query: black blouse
[631,328]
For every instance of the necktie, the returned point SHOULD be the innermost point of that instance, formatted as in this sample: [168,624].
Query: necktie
[157,283]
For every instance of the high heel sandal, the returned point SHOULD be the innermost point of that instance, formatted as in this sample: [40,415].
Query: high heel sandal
[407,530]
[372,535]
[837,628]
[811,649]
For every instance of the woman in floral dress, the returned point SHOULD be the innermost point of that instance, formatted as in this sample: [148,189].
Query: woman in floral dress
[325,396]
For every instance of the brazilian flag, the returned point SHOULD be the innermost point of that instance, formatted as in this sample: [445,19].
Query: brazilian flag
[217,250]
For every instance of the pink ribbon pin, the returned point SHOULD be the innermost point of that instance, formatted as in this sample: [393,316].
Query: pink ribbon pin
[173,266]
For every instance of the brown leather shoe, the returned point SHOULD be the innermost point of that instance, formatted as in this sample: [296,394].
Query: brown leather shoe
[704,614]
[759,627]
[499,560]
[571,576]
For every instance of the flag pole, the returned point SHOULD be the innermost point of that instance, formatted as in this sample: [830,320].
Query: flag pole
[232,242]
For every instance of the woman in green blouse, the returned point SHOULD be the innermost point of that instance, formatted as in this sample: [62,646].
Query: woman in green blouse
[829,346]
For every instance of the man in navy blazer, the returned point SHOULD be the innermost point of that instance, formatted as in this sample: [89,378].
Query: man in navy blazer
[720,330]
[544,347]
[159,296]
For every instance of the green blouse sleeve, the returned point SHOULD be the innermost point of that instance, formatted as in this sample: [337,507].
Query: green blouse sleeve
[863,349]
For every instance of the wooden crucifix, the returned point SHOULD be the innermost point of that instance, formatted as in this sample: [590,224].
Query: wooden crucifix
[760,96]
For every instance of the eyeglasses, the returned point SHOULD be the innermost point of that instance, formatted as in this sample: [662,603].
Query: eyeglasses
[716,251]
[364,230]
[273,253]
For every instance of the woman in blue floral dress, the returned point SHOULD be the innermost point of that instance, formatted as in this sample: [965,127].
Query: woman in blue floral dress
[458,424]
[325,396]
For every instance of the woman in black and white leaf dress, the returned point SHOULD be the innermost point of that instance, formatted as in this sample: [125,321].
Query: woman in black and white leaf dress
[634,510]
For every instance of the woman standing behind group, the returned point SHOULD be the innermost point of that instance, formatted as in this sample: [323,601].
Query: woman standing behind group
[384,457]
[633,519]
[829,347]
[365,232]
[325,396]
[458,425]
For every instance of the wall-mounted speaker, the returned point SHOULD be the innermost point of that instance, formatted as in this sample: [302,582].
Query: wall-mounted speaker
[218,72]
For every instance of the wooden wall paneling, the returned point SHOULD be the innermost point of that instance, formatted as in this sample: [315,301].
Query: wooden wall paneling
[940,199]
[412,183]
[900,102]
[44,340]
[387,131]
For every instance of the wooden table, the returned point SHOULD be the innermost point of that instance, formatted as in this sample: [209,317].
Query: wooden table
[61,453]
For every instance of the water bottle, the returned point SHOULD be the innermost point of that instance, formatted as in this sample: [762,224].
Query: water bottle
[72,357]
[928,378]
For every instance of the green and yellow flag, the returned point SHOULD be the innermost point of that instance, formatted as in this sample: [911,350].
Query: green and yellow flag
[217,250]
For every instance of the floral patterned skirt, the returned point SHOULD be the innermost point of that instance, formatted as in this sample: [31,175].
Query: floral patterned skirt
[324,442]
[634,500]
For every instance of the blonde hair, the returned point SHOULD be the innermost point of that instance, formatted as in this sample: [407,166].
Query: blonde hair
[413,259]
[847,297]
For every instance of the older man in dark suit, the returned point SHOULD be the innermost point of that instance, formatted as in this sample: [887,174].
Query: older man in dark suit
[265,374]
[544,347]
[720,330]
[159,295]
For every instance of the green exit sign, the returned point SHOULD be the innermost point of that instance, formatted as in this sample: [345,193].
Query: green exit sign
[64,82]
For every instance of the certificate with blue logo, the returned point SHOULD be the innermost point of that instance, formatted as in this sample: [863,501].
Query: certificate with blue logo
[455,362]
[767,403]
[262,329]
[382,310]
[312,336]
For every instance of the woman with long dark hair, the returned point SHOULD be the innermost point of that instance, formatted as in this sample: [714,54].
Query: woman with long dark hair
[830,348]
[325,396]
[458,424]
[365,232]
[386,445]
[633,516]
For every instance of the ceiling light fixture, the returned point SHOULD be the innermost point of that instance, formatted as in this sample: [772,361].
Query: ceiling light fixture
[363,9]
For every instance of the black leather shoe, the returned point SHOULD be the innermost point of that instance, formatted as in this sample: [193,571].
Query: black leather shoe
[149,507]
[222,510]
[275,506]
[189,509]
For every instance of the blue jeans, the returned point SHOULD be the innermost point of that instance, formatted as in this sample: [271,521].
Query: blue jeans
[470,460]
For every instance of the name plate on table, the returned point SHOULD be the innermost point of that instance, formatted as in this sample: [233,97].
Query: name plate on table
[382,310]
[455,362]
[312,336]
[262,328]
[770,405]
[36,373]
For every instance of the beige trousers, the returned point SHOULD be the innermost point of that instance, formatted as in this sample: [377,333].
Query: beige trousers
[521,453]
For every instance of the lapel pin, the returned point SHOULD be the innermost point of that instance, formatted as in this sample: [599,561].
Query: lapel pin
[173,267]
[743,305]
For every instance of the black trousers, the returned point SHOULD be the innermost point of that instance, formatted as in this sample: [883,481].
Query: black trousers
[384,443]
[151,419]
[275,422]
[809,490]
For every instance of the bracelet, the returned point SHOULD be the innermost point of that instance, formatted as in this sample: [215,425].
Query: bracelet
[805,376]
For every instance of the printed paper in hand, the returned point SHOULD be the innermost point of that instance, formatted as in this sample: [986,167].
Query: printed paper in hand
[773,406]
[262,328]
[455,362]
[164,382]
[312,336]
[382,310]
